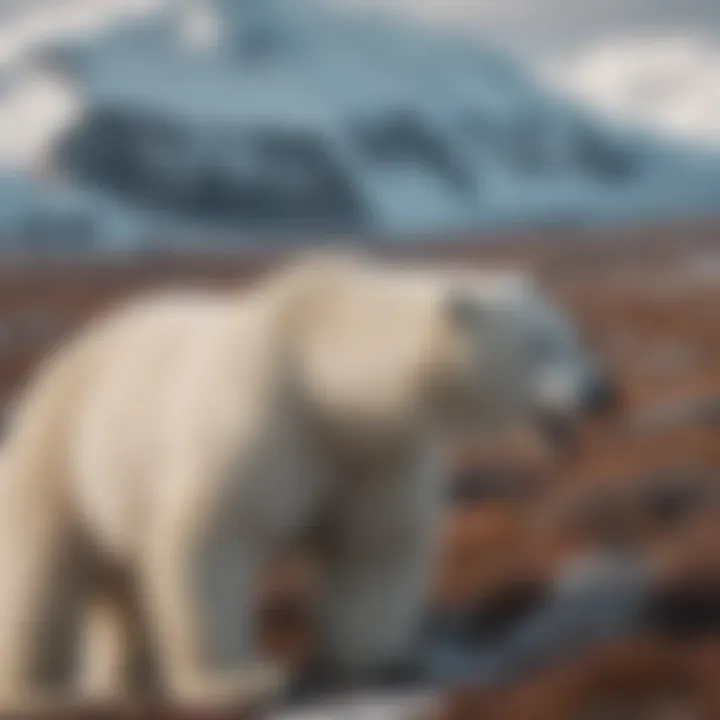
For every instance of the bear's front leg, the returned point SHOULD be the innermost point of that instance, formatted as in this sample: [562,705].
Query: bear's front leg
[199,580]
[381,558]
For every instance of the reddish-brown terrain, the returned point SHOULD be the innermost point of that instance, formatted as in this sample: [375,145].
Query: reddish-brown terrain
[650,305]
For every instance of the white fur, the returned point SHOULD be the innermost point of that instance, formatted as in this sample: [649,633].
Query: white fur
[182,441]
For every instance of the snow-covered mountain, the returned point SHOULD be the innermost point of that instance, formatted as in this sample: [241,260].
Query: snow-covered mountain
[239,117]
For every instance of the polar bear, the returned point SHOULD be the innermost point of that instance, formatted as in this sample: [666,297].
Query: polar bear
[158,461]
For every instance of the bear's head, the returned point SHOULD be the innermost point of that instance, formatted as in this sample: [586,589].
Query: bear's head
[380,351]
[565,380]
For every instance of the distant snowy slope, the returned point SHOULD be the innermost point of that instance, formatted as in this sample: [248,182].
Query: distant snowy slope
[295,116]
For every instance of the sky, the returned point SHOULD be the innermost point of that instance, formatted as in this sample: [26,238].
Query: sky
[549,26]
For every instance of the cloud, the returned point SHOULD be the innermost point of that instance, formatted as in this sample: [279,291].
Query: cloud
[34,108]
[656,62]
[669,83]
[38,21]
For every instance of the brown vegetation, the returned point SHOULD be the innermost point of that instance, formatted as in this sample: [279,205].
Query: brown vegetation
[651,307]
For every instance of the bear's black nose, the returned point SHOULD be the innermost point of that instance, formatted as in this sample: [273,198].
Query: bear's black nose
[601,394]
